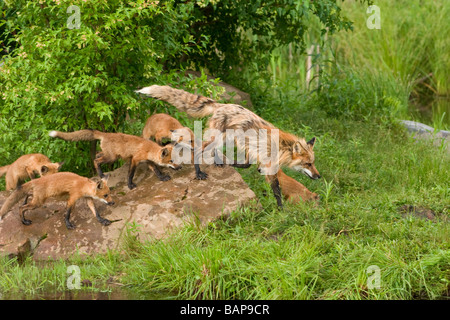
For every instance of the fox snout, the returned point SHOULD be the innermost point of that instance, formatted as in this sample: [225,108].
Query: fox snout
[311,172]
[110,203]
[313,176]
[175,166]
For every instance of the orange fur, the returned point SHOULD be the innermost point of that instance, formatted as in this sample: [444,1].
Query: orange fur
[116,146]
[161,125]
[293,152]
[57,185]
[294,191]
[27,167]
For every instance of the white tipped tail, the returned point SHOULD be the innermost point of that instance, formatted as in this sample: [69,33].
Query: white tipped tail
[146,90]
[53,134]
[194,105]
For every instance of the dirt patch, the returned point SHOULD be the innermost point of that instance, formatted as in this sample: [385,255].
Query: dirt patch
[416,211]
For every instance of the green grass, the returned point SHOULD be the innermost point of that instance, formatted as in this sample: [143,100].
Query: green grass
[304,252]
[408,58]
[370,169]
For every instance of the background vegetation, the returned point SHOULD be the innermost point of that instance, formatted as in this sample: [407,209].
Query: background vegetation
[377,180]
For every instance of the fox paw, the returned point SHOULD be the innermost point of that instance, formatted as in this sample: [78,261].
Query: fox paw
[70,226]
[164,178]
[105,222]
[26,222]
[201,175]
[131,186]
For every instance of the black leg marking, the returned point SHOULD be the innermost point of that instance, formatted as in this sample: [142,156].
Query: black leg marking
[131,173]
[161,176]
[277,192]
[219,158]
[25,221]
[103,221]
[26,199]
[69,225]
[99,171]
[199,175]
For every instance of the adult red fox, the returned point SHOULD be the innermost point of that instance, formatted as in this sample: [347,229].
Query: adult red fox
[127,147]
[161,125]
[293,190]
[26,167]
[293,152]
[55,185]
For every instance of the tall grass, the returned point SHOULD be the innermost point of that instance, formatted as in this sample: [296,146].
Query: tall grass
[409,57]
[411,44]
[306,252]
[370,167]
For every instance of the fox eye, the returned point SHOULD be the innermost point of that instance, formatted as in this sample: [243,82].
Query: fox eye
[171,161]
[105,196]
[308,164]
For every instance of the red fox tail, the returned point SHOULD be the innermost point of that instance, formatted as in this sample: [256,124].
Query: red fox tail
[3,170]
[15,197]
[194,105]
[81,135]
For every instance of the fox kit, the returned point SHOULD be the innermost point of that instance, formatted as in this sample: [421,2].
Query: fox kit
[161,125]
[293,190]
[26,167]
[55,185]
[127,147]
[293,152]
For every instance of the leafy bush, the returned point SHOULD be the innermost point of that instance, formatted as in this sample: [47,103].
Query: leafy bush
[66,78]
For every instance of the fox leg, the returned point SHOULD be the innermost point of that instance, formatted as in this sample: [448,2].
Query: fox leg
[70,206]
[91,206]
[12,181]
[131,172]
[245,165]
[198,151]
[275,185]
[100,159]
[69,225]
[30,174]
[25,207]
[159,174]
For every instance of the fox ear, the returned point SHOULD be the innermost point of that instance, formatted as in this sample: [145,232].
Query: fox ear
[311,142]
[105,178]
[100,184]
[44,169]
[60,164]
[164,152]
[297,148]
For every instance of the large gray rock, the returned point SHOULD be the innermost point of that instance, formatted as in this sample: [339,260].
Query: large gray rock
[425,132]
[155,207]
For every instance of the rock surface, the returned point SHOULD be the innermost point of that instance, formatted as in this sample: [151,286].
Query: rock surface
[424,132]
[156,207]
